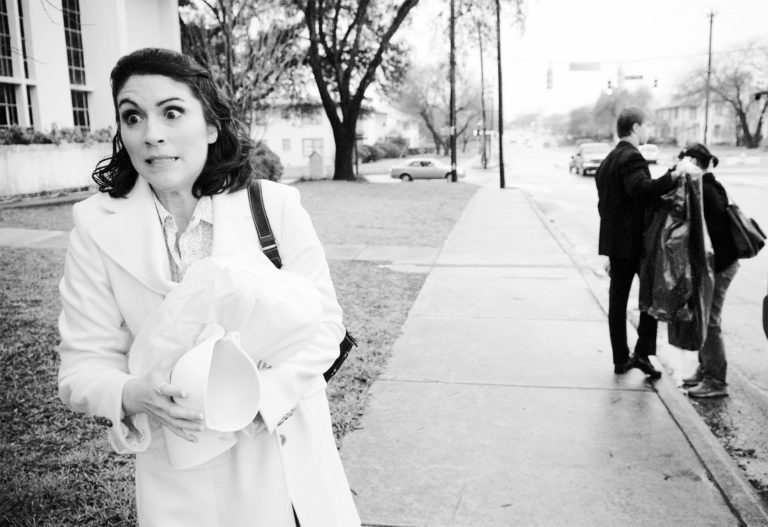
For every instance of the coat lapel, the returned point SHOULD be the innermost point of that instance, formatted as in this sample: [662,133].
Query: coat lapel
[133,238]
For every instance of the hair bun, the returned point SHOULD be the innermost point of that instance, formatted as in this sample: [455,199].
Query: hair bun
[715,161]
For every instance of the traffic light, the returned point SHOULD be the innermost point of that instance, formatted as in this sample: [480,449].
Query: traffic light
[549,78]
[655,83]
[610,86]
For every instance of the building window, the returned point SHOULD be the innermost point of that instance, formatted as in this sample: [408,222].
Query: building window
[23,41]
[311,145]
[693,113]
[74,39]
[29,106]
[80,110]
[8,113]
[6,56]
[286,145]
[311,117]
[718,130]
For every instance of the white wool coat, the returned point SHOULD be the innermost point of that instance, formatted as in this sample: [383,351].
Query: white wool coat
[117,273]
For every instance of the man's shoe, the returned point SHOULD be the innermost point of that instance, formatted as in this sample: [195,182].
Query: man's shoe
[693,380]
[644,365]
[622,367]
[709,388]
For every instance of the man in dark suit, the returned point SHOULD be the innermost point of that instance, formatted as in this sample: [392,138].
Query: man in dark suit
[625,189]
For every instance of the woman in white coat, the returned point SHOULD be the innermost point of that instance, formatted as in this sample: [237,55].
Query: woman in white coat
[172,193]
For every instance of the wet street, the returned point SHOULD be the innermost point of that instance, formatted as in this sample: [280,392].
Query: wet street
[569,203]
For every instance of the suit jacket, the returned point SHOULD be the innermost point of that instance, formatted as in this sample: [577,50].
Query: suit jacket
[117,273]
[625,189]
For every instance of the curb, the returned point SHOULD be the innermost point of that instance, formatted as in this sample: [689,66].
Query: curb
[42,201]
[721,469]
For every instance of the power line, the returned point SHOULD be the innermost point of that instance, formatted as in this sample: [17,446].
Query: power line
[644,59]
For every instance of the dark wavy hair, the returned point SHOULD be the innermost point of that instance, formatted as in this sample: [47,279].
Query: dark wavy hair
[627,119]
[228,165]
[701,154]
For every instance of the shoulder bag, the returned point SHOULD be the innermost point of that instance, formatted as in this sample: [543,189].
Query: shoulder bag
[746,233]
[269,248]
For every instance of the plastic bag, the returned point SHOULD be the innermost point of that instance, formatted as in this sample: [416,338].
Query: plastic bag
[677,275]
[276,313]
[666,276]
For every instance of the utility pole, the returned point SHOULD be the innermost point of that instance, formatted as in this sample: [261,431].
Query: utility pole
[709,76]
[453,93]
[482,95]
[501,112]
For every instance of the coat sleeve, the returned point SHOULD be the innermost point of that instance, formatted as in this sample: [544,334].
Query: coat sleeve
[288,382]
[637,179]
[94,344]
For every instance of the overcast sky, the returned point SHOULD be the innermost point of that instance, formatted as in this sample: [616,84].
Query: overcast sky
[658,39]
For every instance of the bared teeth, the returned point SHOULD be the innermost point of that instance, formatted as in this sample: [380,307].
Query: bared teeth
[162,161]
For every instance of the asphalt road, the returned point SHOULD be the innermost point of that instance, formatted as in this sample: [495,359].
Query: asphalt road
[569,202]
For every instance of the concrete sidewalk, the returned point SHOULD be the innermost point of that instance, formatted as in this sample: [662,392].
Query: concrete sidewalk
[499,406]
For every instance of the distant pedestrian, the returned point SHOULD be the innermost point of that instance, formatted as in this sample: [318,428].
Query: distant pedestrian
[625,189]
[709,378]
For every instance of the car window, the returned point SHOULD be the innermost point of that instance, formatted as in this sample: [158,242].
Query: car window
[414,164]
[426,163]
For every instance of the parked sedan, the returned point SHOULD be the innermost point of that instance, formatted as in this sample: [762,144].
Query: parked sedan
[588,157]
[423,168]
[650,152]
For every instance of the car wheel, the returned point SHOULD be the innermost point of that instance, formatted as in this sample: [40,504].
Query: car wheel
[405,178]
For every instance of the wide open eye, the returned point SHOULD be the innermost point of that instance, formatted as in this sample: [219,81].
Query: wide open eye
[130,117]
[173,112]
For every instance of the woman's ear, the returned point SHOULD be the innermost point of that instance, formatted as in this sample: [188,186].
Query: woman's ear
[715,161]
[213,134]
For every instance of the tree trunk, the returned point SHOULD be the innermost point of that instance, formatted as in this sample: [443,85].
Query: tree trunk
[343,169]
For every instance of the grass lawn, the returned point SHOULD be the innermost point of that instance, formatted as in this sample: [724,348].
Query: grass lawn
[56,468]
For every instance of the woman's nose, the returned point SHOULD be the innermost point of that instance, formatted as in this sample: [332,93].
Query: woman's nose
[154,132]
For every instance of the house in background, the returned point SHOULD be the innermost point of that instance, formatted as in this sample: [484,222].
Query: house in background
[295,134]
[56,56]
[683,122]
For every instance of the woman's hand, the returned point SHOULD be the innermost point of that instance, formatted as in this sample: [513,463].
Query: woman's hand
[155,396]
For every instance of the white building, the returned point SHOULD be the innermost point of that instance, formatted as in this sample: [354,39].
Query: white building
[683,122]
[56,56]
[294,135]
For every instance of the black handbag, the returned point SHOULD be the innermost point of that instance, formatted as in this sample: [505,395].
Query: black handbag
[269,248]
[747,234]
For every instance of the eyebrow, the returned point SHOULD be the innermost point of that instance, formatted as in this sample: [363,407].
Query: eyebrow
[159,103]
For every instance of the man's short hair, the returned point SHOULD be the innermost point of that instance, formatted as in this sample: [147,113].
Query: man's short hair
[627,119]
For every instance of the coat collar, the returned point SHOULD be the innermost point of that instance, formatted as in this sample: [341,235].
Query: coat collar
[132,236]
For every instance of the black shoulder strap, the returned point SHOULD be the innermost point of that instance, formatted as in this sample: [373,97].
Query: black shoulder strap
[260,220]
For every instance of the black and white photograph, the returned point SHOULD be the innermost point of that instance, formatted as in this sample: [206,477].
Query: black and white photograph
[383,263]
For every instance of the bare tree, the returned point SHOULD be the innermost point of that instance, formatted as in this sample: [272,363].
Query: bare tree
[252,47]
[608,107]
[350,47]
[735,79]
[424,92]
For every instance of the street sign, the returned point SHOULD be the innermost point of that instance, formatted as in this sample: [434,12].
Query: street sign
[584,66]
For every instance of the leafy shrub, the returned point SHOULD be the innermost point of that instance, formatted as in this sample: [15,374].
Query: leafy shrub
[266,164]
[391,148]
[19,135]
[370,153]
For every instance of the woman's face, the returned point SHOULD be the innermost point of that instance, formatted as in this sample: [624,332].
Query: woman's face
[164,131]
